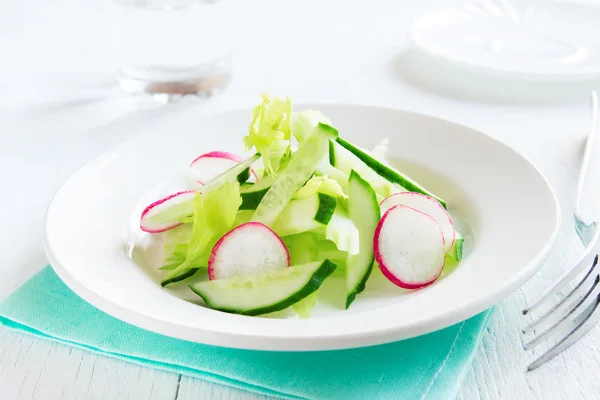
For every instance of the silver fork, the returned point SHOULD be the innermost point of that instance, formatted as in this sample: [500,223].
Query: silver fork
[576,313]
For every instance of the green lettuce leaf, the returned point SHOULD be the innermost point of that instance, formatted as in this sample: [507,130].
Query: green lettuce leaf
[214,215]
[269,131]
[175,246]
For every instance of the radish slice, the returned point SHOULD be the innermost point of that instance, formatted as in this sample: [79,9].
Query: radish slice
[429,206]
[210,165]
[409,247]
[248,249]
[164,214]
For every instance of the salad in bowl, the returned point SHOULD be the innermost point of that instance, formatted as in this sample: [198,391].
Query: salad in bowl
[262,234]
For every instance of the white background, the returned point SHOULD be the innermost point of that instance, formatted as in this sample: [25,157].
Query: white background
[59,107]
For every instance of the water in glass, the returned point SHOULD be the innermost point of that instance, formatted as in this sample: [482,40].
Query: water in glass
[172,47]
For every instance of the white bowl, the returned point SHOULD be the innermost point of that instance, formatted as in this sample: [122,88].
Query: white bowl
[501,202]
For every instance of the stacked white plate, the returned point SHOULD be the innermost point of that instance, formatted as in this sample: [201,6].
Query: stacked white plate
[541,40]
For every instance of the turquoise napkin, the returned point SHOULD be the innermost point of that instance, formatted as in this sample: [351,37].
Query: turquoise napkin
[427,367]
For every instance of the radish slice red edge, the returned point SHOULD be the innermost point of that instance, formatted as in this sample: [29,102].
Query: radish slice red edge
[429,206]
[409,247]
[210,165]
[248,249]
[146,223]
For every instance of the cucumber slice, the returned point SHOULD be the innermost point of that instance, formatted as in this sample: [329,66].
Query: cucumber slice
[253,194]
[302,165]
[178,278]
[456,252]
[344,161]
[386,172]
[327,206]
[364,212]
[264,292]
[303,215]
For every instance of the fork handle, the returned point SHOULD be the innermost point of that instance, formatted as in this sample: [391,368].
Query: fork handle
[586,163]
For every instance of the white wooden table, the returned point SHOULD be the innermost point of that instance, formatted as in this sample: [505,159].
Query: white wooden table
[56,56]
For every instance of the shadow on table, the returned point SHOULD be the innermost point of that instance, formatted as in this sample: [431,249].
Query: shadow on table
[438,77]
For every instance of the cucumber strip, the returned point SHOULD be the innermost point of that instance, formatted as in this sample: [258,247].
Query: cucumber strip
[303,215]
[345,161]
[386,172]
[364,212]
[302,165]
[178,278]
[264,292]
[327,206]
[244,176]
[253,194]
[456,252]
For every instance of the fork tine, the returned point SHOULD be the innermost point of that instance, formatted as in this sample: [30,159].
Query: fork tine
[577,333]
[592,293]
[568,276]
[560,305]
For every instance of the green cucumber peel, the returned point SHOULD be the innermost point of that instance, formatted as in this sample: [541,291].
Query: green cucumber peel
[244,176]
[180,277]
[364,212]
[252,195]
[327,205]
[232,295]
[384,171]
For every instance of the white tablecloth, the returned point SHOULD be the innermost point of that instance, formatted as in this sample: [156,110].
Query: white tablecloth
[59,106]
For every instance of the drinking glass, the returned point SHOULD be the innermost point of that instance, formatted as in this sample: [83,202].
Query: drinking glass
[172,47]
